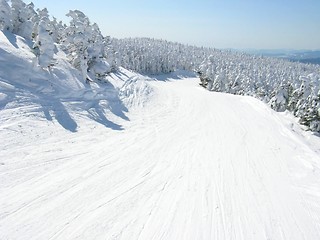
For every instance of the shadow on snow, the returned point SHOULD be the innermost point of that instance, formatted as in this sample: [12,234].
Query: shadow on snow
[176,75]
[55,108]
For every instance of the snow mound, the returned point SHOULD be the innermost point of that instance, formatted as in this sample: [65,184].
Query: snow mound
[136,91]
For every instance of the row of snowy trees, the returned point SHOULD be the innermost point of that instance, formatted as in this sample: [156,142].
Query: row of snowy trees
[146,55]
[282,84]
[86,48]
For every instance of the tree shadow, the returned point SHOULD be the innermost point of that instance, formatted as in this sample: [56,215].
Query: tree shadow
[6,95]
[60,113]
[12,38]
[53,108]
[103,98]
[98,114]
[24,95]
[176,75]
[115,105]
[121,75]
[97,107]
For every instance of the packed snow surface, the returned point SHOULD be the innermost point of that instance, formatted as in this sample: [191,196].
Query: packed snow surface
[146,158]
[187,164]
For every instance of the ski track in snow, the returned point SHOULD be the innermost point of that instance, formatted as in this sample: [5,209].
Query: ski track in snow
[190,164]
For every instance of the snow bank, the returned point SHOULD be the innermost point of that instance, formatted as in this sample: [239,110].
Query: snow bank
[136,91]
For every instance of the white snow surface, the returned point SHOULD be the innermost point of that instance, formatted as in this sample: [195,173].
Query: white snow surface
[147,158]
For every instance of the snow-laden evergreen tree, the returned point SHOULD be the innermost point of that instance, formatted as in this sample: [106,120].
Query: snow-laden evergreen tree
[44,43]
[98,66]
[85,46]
[30,19]
[5,15]
[57,29]
[76,41]
[54,27]
[23,18]
[112,57]
[40,14]
[17,7]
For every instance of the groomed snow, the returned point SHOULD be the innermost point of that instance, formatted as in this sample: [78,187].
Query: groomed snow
[188,164]
[142,158]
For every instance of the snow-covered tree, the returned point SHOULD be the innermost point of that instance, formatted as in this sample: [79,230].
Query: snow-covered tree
[98,66]
[57,29]
[85,46]
[44,43]
[17,7]
[112,57]
[30,19]
[76,40]
[5,15]
[22,18]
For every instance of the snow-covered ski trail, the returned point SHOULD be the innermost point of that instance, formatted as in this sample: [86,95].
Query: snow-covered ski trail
[190,164]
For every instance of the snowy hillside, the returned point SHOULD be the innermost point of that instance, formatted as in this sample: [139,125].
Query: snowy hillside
[134,157]
[284,85]
[23,82]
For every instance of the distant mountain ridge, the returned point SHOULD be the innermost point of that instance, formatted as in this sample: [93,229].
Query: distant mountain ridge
[303,56]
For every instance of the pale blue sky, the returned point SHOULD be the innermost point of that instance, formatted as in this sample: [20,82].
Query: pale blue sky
[262,24]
